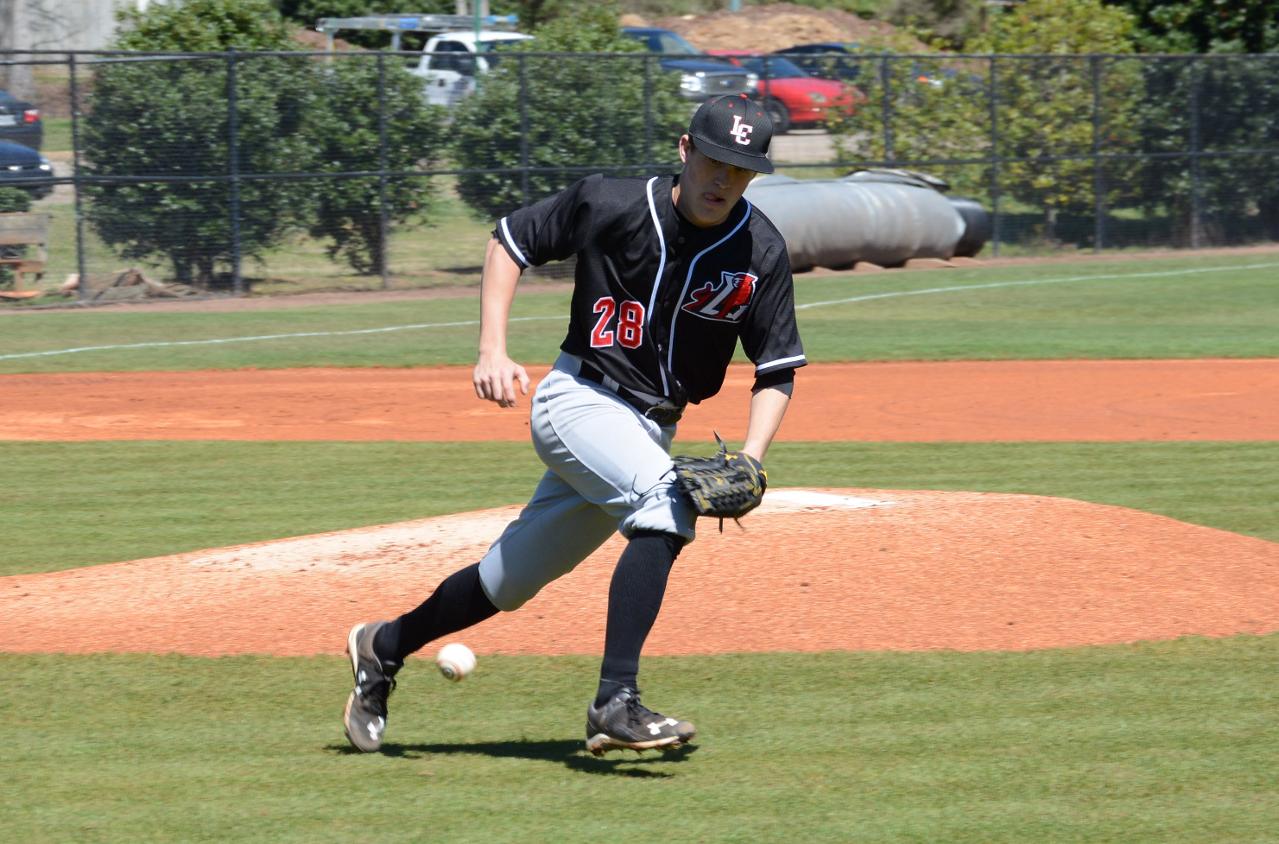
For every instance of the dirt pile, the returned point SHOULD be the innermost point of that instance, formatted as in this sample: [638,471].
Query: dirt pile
[766,28]
[309,39]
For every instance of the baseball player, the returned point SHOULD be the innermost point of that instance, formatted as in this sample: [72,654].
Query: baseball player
[671,273]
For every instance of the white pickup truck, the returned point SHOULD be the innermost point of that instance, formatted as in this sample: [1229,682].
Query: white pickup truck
[451,60]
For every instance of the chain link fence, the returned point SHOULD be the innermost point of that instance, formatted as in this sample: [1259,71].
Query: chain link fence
[279,172]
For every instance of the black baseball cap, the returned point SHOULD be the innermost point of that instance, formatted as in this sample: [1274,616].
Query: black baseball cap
[735,130]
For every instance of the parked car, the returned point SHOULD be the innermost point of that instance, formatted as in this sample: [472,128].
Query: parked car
[791,96]
[22,167]
[20,121]
[836,60]
[701,77]
[827,60]
[451,60]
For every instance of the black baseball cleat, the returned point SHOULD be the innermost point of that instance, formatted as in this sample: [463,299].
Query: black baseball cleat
[625,723]
[365,715]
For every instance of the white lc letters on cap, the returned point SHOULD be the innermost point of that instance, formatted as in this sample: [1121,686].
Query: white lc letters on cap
[741,132]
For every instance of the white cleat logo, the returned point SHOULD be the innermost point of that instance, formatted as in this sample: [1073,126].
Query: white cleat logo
[376,727]
[655,727]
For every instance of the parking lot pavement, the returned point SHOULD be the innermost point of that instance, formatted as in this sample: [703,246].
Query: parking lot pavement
[62,167]
[802,146]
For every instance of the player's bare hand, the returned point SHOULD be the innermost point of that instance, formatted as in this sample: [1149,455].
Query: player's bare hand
[495,378]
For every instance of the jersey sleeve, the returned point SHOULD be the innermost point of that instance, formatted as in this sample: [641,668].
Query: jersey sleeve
[552,229]
[770,336]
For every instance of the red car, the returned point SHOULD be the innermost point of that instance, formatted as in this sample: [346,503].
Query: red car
[792,96]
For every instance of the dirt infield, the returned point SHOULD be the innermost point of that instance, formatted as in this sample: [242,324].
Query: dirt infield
[908,402]
[828,569]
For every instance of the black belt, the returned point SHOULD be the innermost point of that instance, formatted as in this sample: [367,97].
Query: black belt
[662,411]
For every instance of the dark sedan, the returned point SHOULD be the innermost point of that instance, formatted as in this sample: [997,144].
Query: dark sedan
[829,60]
[701,77]
[833,60]
[20,121]
[23,167]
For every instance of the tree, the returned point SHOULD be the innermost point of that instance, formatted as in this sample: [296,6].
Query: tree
[1201,113]
[349,210]
[531,14]
[168,118]
[582,113]
[951,22]
[201,26]
[1205,26]
[919,107]
[1218,100]
[1046,97]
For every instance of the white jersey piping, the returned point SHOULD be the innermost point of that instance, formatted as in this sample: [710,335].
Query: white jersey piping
[510,241]
[779,363]
[657,282]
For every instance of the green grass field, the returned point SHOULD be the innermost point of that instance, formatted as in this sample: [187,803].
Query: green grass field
[1188,307]
[443,250]
[108,501]
[1170,741]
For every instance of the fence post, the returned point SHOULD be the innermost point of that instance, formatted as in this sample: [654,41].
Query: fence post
[648,113]
[994,159]
[1196,142]
[1098,174]
[233,130]
[524,162]
[766,87]
[886,108]
[82,286]
[384,223]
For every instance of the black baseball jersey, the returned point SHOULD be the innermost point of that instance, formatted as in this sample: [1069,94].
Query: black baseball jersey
[659,303]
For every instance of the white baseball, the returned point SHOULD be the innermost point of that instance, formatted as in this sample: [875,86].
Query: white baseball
[455,661]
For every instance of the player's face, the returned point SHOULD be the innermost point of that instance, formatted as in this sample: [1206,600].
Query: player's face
[708,189]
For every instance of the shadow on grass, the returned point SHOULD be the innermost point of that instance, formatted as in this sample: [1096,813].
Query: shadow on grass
[570,754]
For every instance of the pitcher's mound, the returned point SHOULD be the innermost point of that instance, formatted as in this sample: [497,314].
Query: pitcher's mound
[810,570]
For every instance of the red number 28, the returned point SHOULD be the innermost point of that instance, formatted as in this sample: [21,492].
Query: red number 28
[630,323]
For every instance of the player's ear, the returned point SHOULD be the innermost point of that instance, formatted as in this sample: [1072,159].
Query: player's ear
[685,147]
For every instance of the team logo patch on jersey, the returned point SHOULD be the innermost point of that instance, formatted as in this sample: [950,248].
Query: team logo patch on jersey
[726,301]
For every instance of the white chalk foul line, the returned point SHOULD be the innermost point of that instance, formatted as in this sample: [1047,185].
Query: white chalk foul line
[1025,283]
[463,323]
[221,340]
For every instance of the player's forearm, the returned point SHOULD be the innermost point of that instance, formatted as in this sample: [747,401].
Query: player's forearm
[500,277]
[768,406]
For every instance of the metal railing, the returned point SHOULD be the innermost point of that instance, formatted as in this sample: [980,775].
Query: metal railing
[198,166]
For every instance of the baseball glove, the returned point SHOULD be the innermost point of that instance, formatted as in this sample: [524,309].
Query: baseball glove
[726,485]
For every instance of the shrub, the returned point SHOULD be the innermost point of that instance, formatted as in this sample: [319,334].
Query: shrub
[581,111]
[344,123]
[1045,102]
[13,199]
[170,118]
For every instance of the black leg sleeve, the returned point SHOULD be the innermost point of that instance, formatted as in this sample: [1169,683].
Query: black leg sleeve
[458,603]
[634,599]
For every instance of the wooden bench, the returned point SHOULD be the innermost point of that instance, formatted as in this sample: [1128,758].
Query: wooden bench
[19,233]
